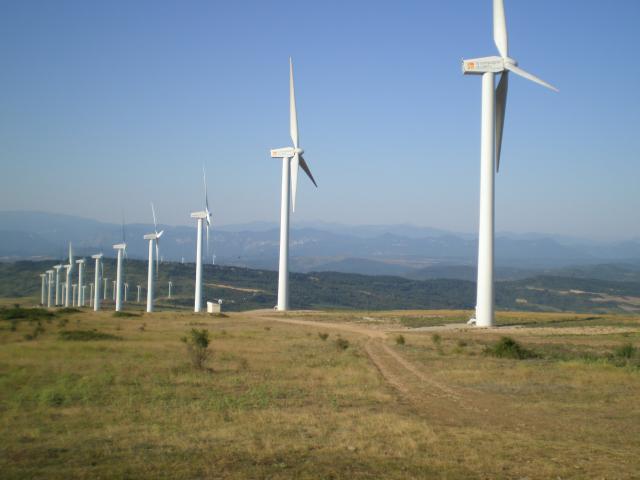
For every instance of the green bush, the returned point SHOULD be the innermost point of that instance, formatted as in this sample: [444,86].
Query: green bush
[18,313]
[400,340]
[323,336]
[507,347]
[86,336]
[342,343]
[125,314]
[436,338]
[626,351]
[198,347]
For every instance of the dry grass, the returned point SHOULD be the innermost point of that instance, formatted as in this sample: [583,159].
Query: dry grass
[282,403]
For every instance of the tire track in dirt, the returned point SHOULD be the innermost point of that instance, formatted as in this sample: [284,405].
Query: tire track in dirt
[409,380]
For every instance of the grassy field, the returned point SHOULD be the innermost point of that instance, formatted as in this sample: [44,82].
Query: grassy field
[90,395]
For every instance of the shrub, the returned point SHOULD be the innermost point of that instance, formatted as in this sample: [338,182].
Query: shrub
[436,338]
[125,314]
[400,340]
[36,332]
[342,343]
[625,351]
[198,347]
[323,336]
[19,313]
[507,347]
[462,343]
[86,336]
[69,310]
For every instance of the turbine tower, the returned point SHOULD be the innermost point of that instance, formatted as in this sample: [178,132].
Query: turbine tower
[170,285]
[80,302]
[494,102]
[202,216]
[43,278]
[106,283]
[291,160]
[153,239]
[69,268]
[91,294]
[121,248]
[57,269]
[98,276]
[49,288]
[139,287]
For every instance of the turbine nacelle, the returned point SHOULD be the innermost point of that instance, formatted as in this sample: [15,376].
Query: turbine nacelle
[153,236]
[286,152]
[120,246]
[97,256]
[478,66]
[200,215]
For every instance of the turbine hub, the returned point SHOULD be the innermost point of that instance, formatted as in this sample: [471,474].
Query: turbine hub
[298,151]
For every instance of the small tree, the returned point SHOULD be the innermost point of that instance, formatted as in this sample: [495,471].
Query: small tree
[198,347]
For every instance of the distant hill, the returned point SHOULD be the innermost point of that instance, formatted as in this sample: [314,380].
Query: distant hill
[243,288]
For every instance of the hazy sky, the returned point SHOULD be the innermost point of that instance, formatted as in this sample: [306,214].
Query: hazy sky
[108,105]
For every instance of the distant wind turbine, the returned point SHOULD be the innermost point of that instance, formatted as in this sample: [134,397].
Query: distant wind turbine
[494,102]
[80,282]
[153,239]
[121,248]
[202,216]
[43,278]
[291,160]
[57,270]
[97,278]
[69,270]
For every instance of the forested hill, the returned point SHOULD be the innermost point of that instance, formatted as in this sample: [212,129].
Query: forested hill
[242,289]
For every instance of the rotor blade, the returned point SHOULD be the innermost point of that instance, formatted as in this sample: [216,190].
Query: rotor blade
[529,76]
[206,197]
[293,117]
[305,167]
[501,107]
[70,254]
[157,258]
[155,223]
[500,36]
[207,238]
[295,162]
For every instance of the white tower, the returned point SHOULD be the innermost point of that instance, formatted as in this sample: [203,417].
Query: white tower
[80,282]
[74,298]
[98,277]
[91,294]
[291,160]
[58,296]
[121,249]
[139,288]
[68,301]
[43,278]
[494,102]
[200,216]
[50,288]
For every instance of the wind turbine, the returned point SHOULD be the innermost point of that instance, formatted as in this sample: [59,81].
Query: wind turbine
[202,216]
[494,103]
[57,270]
[49,287]
[153,239]
[121,248]
[98,276]
[139,287]
[170,285]
[80,282]
[74,298]
[68,300]
[106,283]
[43,278]
[291,160]
[91,294]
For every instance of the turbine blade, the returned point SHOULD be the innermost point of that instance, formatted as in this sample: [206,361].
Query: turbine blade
[206,196]
[500,36]
[294,163]
[157,258]
[501,107]
[293,117]
[155,223]
[529,76]
[305,167]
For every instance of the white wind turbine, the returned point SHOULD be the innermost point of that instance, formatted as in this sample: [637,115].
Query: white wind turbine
[49,288]
[68,300]
[80,263]
[57,294]
[43,278]
[494,103]
[95,292]
[121,248]
[153,239]
[291,160]
[202,216]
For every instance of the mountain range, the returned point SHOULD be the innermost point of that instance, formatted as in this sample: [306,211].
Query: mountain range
[402,250]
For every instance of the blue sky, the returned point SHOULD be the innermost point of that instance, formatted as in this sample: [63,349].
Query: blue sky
[108,105]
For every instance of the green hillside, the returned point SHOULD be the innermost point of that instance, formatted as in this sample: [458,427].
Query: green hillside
[243,289]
